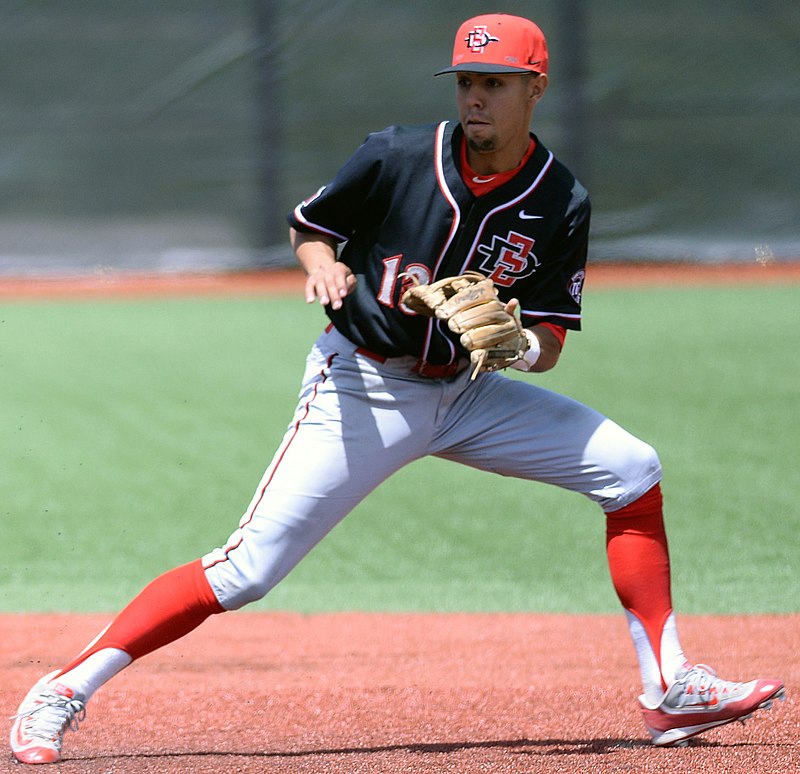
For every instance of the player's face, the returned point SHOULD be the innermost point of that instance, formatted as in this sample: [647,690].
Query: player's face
[495,113]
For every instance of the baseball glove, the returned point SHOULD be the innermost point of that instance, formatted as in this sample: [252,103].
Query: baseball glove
[493,336]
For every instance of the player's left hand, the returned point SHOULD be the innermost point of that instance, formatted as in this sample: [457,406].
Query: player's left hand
[494,338]
[489,330]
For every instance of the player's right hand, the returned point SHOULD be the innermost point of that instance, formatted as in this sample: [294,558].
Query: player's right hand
[328,279]
[330,283]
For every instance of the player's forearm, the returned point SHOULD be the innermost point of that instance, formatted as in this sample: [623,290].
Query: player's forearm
[312,250]
[328,280]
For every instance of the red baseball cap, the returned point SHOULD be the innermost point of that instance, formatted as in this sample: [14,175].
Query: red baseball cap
[498,43]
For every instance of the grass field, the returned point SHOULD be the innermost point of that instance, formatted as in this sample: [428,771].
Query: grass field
[135,431]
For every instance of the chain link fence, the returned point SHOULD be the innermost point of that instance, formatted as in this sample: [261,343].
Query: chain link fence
[175,136]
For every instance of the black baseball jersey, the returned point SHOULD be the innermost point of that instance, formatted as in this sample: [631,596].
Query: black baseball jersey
[402,208]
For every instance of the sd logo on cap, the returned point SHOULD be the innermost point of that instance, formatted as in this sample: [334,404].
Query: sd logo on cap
[498,43]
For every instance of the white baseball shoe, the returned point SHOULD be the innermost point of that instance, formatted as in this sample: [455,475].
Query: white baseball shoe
[699,700]
[45,715]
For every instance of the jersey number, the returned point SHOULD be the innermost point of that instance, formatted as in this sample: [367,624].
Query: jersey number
[391,273]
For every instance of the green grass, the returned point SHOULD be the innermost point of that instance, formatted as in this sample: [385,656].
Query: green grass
[133,434]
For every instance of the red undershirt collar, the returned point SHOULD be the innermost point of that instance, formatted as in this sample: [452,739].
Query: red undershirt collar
[483,184]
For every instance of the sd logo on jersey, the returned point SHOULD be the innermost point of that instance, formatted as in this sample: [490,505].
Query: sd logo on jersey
[508,259]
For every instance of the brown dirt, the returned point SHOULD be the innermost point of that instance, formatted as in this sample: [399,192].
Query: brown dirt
[291,280]
[350,692]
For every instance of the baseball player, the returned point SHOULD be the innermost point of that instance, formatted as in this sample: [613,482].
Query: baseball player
[442,255]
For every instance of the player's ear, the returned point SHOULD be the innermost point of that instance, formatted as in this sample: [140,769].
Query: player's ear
[537,85]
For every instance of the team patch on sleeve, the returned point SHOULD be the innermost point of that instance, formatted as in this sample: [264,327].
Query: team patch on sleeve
[575,285]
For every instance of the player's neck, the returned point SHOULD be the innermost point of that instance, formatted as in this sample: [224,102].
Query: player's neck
[481,183]
[503,160]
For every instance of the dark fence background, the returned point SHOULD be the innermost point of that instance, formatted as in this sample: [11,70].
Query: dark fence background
[175,135]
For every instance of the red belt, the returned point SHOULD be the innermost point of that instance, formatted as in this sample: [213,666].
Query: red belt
[371,355]
[436,371]
[429,370]
[421,367]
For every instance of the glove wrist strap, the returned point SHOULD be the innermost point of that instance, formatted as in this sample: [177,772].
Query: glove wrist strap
[528,360]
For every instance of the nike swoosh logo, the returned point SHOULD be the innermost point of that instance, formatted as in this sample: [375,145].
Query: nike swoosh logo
[22,738]
[478,179]
[524,215]
[698,705]
[709,704]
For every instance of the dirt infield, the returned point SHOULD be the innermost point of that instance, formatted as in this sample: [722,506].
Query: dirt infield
[346,693]
[291,280]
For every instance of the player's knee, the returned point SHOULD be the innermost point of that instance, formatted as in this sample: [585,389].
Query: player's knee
[250,590]
[621,466]
[647,459]
[641,471]
[235,588]
[252,593]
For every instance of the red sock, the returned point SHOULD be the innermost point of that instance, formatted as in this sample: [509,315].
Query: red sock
[638,559]
[167,609]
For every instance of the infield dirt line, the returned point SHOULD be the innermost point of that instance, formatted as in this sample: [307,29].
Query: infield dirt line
[284,281]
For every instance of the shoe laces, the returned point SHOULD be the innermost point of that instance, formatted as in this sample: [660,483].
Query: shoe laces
[51,714]
[702,683]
